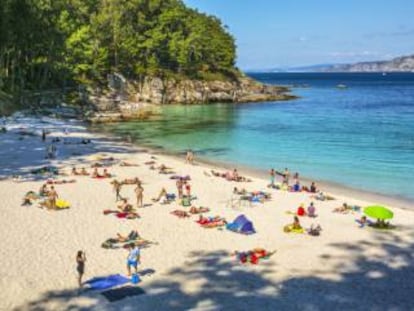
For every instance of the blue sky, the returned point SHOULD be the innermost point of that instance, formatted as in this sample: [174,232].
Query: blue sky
[283,33]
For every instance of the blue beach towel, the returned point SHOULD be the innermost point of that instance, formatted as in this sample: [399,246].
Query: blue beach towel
[106,282]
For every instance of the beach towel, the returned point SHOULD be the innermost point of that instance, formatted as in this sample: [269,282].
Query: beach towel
[128,215]
[290,229]
[122,292]
[241,225]
[106,282]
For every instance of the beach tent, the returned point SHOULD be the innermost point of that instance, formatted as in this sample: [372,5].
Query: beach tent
[241,225]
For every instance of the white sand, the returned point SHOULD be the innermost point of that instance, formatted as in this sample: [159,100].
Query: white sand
[346,268]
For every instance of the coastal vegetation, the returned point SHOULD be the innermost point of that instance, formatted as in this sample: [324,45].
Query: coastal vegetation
[62,44]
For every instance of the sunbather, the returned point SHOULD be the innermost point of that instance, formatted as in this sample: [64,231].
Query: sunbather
[131,181]
[84,172]
[162,195]
[180,213]
[295,226]
[125,206]
[195,210]
[344,209]
[75,172]
[133,235]
[128,164]
[314,230]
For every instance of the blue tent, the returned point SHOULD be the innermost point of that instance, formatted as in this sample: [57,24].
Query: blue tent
[241,225]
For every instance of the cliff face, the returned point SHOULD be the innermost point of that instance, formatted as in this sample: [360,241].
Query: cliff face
[130,102]
[399,64]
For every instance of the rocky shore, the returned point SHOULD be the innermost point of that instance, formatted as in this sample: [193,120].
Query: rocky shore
[133,101]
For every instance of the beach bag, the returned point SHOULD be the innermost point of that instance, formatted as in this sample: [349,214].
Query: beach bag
[135,279]
[186,201]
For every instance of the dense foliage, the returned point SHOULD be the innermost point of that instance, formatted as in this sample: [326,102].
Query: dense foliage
[56,43]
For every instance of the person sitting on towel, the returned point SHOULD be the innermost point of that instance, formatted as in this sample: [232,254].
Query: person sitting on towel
[301,210]
[296,224]
[311,210]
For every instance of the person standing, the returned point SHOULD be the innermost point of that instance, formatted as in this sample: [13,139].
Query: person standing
[139,191]
[286,176]
[133,259]
[272,178]
[117,189]
[43,135]
[53,196]
[180,185]
[80,265]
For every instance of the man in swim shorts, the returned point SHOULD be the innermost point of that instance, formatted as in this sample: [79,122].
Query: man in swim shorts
[133,258]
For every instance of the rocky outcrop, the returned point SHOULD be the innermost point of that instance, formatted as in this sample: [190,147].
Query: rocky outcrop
[157,91]
[135,98]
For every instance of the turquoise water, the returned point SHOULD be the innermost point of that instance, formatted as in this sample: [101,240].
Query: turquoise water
[361,136]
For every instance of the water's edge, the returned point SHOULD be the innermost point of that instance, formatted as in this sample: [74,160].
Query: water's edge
[326,186]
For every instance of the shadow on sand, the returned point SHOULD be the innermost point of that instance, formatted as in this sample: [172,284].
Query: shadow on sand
[383,282]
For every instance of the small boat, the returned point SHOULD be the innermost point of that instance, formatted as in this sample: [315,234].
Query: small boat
[384,73]
[341,86]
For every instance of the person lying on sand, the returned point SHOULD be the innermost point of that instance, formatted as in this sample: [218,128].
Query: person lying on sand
[125,206]
[253,256]
[195,210]
[133,235]
[231,176]
[127,164]
[180,213]
[214,221]
[131,181]
[61,182]
[314,230]
[344,209]
[321,196]
[239,191]
[162,169]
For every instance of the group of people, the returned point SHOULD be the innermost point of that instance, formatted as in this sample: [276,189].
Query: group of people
[139,192]
[51,195]
[82,172]
[295,187]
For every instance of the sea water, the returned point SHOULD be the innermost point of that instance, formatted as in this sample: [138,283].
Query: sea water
[360,135]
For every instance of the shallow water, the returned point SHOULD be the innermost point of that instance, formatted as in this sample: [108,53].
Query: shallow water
[361,136]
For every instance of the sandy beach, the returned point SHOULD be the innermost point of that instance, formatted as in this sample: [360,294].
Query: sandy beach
[187,267]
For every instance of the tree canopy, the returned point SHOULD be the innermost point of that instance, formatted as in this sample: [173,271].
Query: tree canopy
[55,43]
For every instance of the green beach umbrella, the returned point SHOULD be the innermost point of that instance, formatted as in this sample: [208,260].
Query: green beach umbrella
[378,212]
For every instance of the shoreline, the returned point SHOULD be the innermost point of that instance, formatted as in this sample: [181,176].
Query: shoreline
[332,187]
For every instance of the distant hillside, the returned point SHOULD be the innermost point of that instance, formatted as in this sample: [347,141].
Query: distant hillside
[399,64]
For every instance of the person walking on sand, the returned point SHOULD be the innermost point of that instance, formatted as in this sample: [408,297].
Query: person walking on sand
[272,174]
[133,258]
[117,189]
[189,157]
[53,196]
[80,265]
[180,184]
[139,191]
[286,176]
